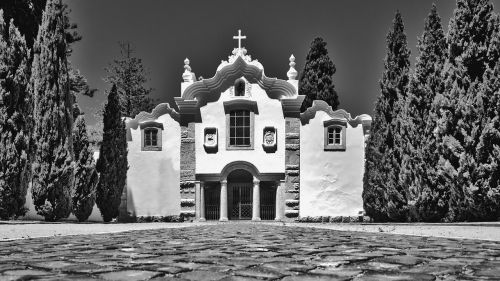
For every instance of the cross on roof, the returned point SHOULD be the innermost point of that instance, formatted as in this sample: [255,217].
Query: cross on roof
[239,37]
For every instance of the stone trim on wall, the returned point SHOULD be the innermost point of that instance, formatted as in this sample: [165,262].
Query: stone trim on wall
[187,171]
[292,168]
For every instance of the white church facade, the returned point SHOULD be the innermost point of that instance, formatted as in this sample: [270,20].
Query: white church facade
[239,148]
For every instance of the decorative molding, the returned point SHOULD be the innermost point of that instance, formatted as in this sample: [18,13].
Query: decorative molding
[151,124]
[240,165]
[159,110]
[291,107]
[210,139]
[240,104]
[270,139]
[209,90]
[340,114]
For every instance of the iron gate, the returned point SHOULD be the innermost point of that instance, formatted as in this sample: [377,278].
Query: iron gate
[242,201]
[268,203]
[212,203]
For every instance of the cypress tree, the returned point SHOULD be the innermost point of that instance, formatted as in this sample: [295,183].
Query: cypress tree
[86,178]
[15,121]
[53,165]
[112,164]
[316,80]
[461,107]
[383,196]
[426,203]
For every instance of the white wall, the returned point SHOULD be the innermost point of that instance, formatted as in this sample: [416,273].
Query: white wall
[331,182]
[270,113]
[153,176]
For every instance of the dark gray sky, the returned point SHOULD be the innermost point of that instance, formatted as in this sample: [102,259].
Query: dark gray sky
[164,33]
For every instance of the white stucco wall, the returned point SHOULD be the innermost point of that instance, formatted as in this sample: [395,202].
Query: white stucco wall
[331,182]
[270,113]
[153,176]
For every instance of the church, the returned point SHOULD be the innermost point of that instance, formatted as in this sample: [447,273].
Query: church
[238,148]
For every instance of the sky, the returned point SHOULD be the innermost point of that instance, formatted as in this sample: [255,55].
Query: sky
[163,33]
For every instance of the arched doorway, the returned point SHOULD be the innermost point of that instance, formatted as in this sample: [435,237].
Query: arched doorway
[240,192]
[240,195]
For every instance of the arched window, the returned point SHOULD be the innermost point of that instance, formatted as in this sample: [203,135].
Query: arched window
[239,88]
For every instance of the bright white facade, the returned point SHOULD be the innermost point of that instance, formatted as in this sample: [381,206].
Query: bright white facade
[239,148]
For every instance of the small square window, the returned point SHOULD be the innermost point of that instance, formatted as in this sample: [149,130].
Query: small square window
[151,139]
[335,138]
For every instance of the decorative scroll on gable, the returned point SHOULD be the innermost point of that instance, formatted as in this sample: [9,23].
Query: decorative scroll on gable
[340,114]
[159,110]
[209,90]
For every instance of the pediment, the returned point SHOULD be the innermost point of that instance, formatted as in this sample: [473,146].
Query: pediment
[209,90]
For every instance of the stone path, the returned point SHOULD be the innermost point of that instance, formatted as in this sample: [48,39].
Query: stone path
[248,251]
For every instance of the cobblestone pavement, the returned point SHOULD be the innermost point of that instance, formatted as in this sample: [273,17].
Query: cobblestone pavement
[248,251]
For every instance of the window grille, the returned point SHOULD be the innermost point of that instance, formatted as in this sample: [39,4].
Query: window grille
[239,128]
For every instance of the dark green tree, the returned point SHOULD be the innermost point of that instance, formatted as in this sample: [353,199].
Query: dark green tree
[27,16]
[112,164]
[53,166]
[15,121]
[86,178]
[316,80]
[418,174]
[130,78]
[383,196]
[461,105]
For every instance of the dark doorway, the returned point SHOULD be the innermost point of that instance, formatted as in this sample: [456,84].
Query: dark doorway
[267,201]
[240,195]
[212,201]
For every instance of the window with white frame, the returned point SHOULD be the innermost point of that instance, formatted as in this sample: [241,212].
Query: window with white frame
[240,116]
[335,135]
[151,136]
[239,128]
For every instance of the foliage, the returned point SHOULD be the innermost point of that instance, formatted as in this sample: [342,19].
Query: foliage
[130,77]
[316,81]
[15,121]
[462,126]
[112,163]
[383,196]
[53,165]
[27,16]
[83,197]
[418,173]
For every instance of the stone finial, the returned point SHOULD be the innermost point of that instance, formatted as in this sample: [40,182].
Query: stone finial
[292,72]
[187,75]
